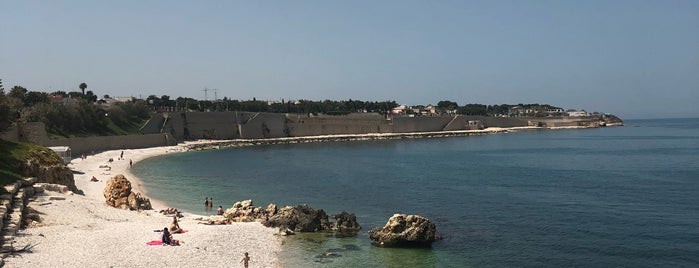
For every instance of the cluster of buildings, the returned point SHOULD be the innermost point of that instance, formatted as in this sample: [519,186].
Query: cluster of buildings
[105,102]
[515,111]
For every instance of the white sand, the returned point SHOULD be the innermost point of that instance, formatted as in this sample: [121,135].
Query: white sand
[81,231]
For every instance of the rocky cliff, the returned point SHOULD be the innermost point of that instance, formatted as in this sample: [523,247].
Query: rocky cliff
[48,167]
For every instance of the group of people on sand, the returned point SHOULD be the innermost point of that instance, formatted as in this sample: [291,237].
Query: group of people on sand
[216,222]
[166,238]
[171,212]
[166,235]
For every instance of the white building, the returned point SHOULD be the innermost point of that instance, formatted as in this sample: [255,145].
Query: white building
[577,113]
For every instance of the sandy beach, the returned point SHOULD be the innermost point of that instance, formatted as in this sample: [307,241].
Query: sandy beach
[81,231]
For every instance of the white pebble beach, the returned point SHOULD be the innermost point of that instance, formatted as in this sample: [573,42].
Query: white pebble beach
[82,231]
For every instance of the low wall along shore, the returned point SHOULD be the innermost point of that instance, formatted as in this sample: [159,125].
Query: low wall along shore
[248,125]
[165,129]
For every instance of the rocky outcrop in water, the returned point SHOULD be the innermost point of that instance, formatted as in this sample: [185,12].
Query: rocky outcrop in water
[345,222]
[404,231]
[611,120]
[118,194]
[290,219]
[301,218]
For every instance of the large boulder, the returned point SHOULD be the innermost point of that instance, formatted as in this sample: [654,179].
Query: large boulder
[301,218]
[118,194]
[404,231]
[345,222]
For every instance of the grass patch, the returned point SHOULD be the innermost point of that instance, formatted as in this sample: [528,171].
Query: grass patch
[132,127]
[12,154]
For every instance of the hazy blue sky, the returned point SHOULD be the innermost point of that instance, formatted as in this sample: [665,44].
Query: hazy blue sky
[636,59]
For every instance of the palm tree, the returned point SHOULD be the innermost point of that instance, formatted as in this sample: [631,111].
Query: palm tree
[83,86]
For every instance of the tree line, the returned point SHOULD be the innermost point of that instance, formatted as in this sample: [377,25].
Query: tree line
[69,113]
[301,106]
[534,109]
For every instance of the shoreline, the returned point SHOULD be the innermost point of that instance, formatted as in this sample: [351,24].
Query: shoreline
[81,230]
[220,144]
[121,234]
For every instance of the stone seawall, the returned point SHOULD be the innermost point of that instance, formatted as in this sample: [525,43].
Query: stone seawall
[36,133]
[179,126]
[421,124]
[303,125]
[247,125]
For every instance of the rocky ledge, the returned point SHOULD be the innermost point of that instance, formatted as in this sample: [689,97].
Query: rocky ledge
[290,219]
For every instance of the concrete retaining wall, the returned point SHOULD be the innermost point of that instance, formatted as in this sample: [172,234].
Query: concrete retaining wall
[234,125]
[461,122]
[88,145]
[210,125]
[300,126]
[264,125]
[420,124]
[35,133]
[154,124]
[32,132]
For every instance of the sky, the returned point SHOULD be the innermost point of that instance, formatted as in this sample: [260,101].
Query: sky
[634,59]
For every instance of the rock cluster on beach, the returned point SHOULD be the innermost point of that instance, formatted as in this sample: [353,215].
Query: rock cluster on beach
[290,219]
[404,231]
[118,194]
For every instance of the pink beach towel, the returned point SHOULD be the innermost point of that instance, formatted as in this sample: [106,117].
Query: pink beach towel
[155,243]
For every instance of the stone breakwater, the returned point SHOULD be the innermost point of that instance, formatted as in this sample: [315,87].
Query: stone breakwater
[213,144]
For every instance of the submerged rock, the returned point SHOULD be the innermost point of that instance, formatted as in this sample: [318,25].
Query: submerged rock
[404,231]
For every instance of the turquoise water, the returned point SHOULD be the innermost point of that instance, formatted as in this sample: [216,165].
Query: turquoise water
[608,197]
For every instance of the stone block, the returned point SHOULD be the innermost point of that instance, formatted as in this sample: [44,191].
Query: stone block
[30,181]
[29,190]
[38,190]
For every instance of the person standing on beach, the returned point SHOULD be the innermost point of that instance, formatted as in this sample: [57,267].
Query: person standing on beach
[245,260]
[130,163]
[122,155]
[211,203]
[206,203]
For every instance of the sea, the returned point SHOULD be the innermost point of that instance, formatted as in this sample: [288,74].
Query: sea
[624,196]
